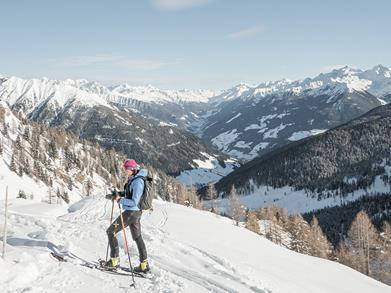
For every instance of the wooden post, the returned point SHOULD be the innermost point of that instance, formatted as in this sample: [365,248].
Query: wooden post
[5,221]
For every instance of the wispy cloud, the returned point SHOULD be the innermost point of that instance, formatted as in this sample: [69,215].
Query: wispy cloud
[111,60]
[246,33]
[85,60]
[141,64]
[178,4]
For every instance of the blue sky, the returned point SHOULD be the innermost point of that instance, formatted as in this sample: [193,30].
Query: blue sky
[191,43]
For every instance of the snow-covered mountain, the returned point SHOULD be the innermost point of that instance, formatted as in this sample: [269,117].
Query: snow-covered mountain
[189,251]
[248,121]
[245,121]
[146,100]
[94,112]
[376,81]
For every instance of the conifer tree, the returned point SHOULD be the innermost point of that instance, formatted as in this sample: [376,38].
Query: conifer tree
[52,149]
[88,187]
[212,195]
[26,167]
[2,114]
[363,239]
[5,128]
[319,245]
[252,222]
[13,164]
[193,198]
[70,185]
[384,262]
[65,196]
[22,194]
[26,134]
[18,143]
[300,230]
[20,170]
[58,193]
[236,208]
[181,194]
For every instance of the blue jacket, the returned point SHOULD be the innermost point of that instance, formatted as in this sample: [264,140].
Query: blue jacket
[136,188]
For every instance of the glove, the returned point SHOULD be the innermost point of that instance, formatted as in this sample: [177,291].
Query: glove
[114,195]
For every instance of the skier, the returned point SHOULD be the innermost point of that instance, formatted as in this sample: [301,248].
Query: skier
[129,200]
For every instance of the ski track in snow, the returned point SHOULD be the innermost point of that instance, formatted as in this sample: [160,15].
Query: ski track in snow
[80,236]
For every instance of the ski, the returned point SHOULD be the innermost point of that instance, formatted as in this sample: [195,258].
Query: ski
[122,271]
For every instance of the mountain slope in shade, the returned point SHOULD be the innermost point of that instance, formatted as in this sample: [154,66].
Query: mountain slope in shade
[329,169]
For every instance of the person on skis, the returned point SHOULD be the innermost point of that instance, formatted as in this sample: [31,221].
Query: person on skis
[129,200]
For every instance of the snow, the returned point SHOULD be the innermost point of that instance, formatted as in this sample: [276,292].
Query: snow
[305,133]
[273,133]
[233,118]
[297,201]
[376,81]
[223,140]
[124,92]
[262,126]
[254,126]
[258,147]
[189,251]
[250,155]
[36,189]
[174,144]
[35,92]
[266,226]
[162,123]
[243,145]
[206,171]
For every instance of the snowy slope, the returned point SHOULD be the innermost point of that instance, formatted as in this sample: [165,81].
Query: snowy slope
[208,170]
[153,94]
[189,251]
[301,201]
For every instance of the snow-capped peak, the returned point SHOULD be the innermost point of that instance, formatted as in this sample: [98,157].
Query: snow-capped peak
[376,81]
[33,92]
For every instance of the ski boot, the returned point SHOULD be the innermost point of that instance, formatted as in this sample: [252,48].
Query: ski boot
[112,264]
[143,267]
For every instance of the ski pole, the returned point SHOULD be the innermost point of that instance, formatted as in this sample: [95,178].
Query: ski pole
[126,243]
[111,220]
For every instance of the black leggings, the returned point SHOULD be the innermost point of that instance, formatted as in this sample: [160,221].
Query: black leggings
[131,219]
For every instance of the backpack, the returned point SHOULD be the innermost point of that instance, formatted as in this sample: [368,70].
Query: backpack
[148,194]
